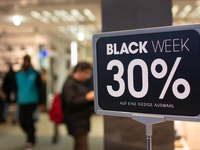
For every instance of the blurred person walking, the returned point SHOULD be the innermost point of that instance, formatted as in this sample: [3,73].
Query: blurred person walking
[28,97]
[43,76]
[9,88]
[76,103]
[1,106]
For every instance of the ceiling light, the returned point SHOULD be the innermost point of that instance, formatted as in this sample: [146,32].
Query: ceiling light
[17,20]
[185,11]
[89,14]
[81,36]
[64,15]
[74,12]
[78,15]
[74,54]
[44,19]
[92,18]
[72,19]
[35,14]
[81,18]
[175,9]
[196,12]
[46,13]
[67,16]
[54,19]
[63,12]
[57,13]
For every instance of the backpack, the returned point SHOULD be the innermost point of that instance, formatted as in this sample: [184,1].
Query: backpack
[56,113]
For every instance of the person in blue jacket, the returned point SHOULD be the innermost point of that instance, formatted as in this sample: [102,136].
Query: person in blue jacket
[28,96]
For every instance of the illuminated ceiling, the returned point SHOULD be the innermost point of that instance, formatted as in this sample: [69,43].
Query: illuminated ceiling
[186,12]
[66,18]
[61,18]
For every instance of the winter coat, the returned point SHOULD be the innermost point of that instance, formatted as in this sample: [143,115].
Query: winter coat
[76,108]
[28,87]
[9,86]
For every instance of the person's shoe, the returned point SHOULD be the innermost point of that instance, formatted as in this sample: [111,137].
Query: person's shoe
[55,139]
[29,146]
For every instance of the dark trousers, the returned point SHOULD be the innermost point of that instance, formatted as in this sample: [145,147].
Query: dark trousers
[26,118]
[1,110]
[81,142]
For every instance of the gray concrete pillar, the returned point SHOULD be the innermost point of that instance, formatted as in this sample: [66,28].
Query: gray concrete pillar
[125,133]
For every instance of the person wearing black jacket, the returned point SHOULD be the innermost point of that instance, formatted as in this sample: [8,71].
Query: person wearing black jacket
[76,104]
[9,88]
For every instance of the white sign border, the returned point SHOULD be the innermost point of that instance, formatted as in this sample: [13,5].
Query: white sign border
[96,37]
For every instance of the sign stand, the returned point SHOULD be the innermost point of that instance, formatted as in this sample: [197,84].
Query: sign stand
[149,134]
[148,121]
[121,93]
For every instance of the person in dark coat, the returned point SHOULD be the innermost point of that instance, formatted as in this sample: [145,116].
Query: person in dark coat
[9,88]
[76,99]
[2,120]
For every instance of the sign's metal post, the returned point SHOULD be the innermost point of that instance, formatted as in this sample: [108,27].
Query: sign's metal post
[148,121]
[149,134]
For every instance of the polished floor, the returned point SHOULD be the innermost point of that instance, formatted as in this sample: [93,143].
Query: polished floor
[12,137]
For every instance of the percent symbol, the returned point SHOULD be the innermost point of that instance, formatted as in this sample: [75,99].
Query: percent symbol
[176,84]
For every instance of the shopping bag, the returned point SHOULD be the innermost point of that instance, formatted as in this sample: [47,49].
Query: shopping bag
[56,113]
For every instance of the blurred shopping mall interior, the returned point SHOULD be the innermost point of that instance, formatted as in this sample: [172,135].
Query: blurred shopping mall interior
[57,34]
[49,30]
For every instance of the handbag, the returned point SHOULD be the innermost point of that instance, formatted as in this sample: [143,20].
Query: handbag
[56,113]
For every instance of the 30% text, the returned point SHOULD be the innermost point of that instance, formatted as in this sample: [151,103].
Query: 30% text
[145,78]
